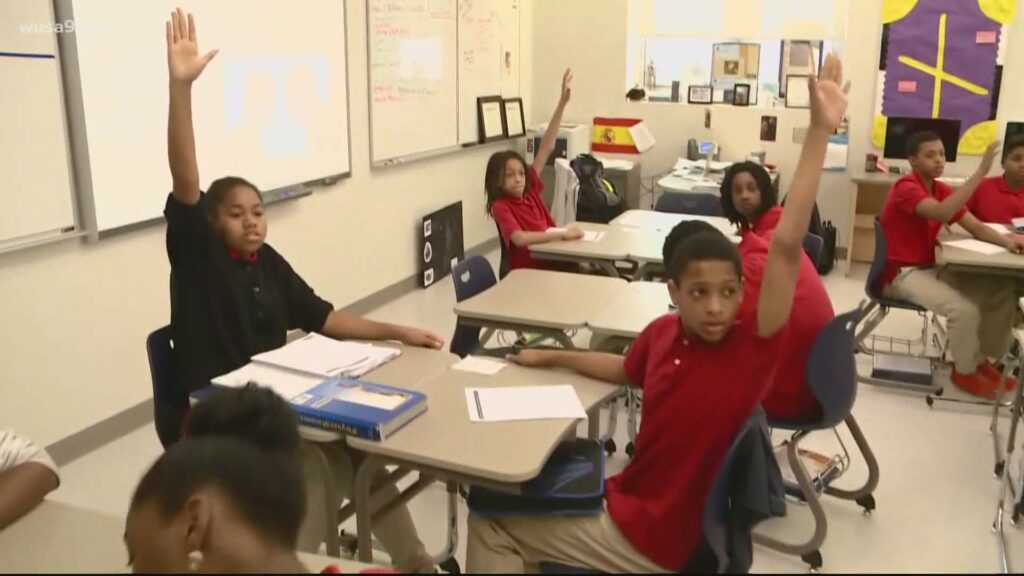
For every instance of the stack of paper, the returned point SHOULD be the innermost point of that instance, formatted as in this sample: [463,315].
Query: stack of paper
[285,383]
[321,356]
[523,403]
[977,246]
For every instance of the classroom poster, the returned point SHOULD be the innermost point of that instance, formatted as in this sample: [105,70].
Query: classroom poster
[441,243]
[943,59]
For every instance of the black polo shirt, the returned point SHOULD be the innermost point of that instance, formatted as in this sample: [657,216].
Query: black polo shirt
[226,309]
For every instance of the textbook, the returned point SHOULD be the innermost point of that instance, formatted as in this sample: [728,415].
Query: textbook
[357,408]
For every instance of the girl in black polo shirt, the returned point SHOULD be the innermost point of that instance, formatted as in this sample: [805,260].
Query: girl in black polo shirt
[232,295]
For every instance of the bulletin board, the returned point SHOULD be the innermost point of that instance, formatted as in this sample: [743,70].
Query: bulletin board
[734,63]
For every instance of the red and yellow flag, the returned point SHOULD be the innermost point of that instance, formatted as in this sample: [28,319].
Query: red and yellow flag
[612,136]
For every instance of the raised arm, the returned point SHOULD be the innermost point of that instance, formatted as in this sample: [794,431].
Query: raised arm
[547,142]
[828,104]
[184,65]
[944,211]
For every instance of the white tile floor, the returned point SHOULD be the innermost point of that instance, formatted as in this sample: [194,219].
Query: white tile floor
[936,499]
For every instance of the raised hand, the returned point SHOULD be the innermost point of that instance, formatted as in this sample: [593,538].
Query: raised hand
[828,95]
[989,157]
[566,86]
[184,62]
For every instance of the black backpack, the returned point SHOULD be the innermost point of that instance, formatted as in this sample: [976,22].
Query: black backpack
[597,200]
[829,235]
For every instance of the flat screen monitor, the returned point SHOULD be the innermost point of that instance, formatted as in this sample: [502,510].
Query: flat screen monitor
[1013,130]
[706,147]
[899,130]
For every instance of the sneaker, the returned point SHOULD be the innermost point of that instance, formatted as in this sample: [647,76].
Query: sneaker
[975,384]
[989,371]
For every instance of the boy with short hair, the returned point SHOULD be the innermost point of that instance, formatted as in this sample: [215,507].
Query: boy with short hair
[1000,199]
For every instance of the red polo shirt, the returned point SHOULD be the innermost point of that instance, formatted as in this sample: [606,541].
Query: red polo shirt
[909,238]
[765,225]
[697,396]
[994,201]
[790,398]
[528,214]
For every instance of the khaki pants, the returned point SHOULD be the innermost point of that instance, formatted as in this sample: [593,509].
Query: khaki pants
[979,309]
[395,531]
[516,545]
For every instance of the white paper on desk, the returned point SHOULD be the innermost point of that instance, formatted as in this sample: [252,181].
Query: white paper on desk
[687,164]
[978,246]
[523,403]
[323,356]
[588,235]
[286,383]
[999,228]
[480,365]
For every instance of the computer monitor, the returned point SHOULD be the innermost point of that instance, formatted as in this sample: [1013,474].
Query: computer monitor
[706,147]
[899,130]
[1013,130]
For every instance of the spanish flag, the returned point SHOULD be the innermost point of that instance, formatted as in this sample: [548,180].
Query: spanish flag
[620,136]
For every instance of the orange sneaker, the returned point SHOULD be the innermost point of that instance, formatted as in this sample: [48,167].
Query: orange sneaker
[989,371]
[976,384]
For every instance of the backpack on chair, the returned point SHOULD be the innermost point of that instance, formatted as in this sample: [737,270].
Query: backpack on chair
[597,199]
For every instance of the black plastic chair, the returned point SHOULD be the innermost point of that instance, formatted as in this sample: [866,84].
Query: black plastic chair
[167,408]
[813,246]
[689,203]
[832,378]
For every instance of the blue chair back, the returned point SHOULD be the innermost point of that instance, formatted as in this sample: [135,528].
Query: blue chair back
[813,245]
[689,203]
[471,277]
[832,369]
[871,287]
[159,349]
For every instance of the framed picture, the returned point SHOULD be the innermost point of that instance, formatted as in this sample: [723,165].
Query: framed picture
[490,118]
[699,94]
[741,95]
[515,122]
[797,93]
[727,95]
[735,63]
[798,57]
[769,128]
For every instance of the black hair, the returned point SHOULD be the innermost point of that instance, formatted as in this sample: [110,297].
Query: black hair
[769,198]
[703,246]
[1012,144]
[217,193]
[682,232]
[251,413]
[918,138]
[265,487]
[636,94]
[494,178]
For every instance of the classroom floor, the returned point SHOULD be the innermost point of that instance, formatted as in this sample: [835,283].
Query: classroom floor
[936,499]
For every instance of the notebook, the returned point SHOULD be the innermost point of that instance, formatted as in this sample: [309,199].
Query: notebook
[325,357]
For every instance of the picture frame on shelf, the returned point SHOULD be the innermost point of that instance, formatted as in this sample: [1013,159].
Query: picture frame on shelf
[490,116]
[515,121]
[699,94]
[741,95]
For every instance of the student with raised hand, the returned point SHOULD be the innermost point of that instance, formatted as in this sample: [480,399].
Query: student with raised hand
[27,475]
[232,295]
[703,372]
[514,200]
[749,199]
[1000,199]
[979,308]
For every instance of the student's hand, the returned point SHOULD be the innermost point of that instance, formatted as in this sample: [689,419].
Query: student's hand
[828,95]
[1014,245]
[183,59]
[989,157]
[566,87]
[529,358]
[420,338]
[572,233]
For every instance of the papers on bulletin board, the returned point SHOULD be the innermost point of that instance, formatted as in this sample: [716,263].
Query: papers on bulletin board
[523,403]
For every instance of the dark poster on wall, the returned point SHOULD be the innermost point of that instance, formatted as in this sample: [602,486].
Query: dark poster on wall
[441,243]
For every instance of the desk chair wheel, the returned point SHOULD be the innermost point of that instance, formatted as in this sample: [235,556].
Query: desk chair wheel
[450,566]
[867,503]
[610,447]
[940,392]
[813,559]
[630,450]
[998,472]
[930,400]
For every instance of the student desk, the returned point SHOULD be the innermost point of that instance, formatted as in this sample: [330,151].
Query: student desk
[622,321]
[1005,263]
[603,253]
[651,229]
[540,301]
[58,537]
[442,444]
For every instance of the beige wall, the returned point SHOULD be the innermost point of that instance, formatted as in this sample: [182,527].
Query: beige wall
[75,317]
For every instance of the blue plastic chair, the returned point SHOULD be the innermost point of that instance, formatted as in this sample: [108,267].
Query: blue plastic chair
[689,203]
[832,378]
[471,277]
[167,409]
[872,286]
[813,246]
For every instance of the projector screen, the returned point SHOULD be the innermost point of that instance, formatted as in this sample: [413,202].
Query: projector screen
[272,106]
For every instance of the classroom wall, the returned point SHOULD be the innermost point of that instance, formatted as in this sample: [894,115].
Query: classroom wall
[591,37]
[75,316]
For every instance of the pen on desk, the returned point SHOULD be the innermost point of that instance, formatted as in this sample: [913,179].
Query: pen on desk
[479,407]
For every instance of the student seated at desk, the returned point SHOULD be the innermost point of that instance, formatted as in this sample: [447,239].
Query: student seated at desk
[749,199]
[514,196]
[980,308]
[27,475]
[790,398]
[1000,199]
[703,372]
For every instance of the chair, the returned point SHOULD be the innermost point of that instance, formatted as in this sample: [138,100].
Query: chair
[832,378]
[689,203]
[504,264]
[813,245]
[879,308]
[471,277]
[167,410]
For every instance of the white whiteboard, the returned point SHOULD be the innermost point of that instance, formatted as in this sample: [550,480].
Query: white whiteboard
[429,61]
[272,107]
[35,180]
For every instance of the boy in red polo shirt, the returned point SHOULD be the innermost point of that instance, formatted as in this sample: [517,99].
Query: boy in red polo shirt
[979,308]
[703,373]
[513,196]
[1000,199]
